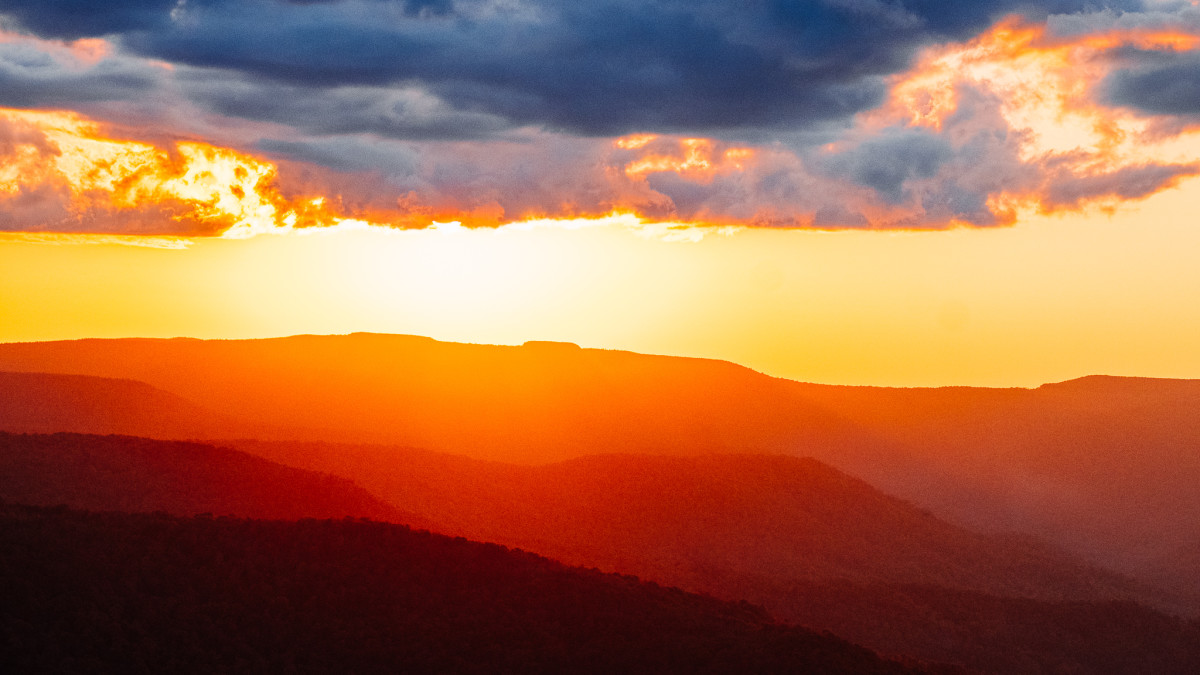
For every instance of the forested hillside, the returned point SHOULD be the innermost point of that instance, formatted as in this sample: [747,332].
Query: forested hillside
[86,593]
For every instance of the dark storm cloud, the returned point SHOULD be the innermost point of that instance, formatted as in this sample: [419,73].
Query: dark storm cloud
[885,163]
[402,113]
[604,67]
[71,19]
[1163,82]
[30,77]
[1159,84]
[352,155]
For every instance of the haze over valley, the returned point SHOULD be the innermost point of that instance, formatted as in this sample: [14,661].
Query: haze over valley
[901,519]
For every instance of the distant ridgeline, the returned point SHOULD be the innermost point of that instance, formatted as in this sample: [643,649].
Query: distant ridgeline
[1043,530]
[550,344]
[813,545]
[1100,465]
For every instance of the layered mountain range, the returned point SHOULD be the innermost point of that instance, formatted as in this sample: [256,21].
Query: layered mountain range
[1005,530]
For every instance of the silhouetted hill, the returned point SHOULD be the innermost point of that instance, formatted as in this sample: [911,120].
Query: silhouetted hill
[1178,570]
[123,473]
[993,634]
[48,403]
[1103,466]
[154,593]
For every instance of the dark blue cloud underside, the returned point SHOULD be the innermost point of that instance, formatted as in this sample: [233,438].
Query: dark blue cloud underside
[71,19]
[595,68]
[1167,84]
[886,163]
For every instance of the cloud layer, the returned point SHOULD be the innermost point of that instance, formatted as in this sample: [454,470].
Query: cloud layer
[839,113]
[600,68]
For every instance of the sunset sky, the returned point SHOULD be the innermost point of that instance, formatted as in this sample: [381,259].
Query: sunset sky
[901,192]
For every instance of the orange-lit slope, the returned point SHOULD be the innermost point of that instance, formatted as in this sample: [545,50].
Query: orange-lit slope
[1105,466]
[47,403]
[540,402]
[698,520]
[124,473]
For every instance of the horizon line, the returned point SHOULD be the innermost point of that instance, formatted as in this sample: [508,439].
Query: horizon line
[538,343]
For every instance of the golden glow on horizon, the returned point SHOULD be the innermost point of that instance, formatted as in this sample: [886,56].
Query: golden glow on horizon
[1058,297]
[1071,290]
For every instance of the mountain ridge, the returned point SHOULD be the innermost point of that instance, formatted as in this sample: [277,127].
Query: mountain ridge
[1098,465]
[132,474]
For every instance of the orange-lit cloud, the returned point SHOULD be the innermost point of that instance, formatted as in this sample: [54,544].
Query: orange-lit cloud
[85,51]
[697,159]
[1043,81]
[1076,150]
[62,172]
[975,133]
[635,141]
[65,175]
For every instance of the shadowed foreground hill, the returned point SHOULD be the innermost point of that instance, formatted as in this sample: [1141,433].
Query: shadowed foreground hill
[122,473]
[154,593]
[692,542]
[993,634]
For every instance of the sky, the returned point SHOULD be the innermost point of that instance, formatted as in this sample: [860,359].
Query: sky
[897,192]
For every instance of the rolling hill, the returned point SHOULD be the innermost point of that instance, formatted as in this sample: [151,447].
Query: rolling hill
[699,523]
[51,402]
[530,404]
[1102,466]
[123,473]
[774,516]
[811,544]
[156,593]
